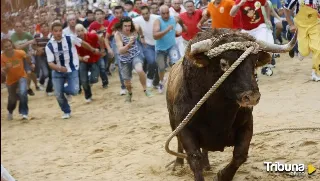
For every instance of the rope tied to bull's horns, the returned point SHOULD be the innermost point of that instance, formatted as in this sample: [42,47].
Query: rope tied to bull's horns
[203,99]
[233,46]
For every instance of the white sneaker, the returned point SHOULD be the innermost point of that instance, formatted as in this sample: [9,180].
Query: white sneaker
[161,88]
[25,117]
[50,93]
[41,87]
[314,76]
[88,100]
[123,92]
[10,117]
[66,116]
[149,83]
[69,97]
[300,57]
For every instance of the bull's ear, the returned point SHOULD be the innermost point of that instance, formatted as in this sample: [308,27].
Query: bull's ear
[263,58]
[200,60]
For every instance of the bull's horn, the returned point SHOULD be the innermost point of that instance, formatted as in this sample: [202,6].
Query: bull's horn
[201,46]
[274,48]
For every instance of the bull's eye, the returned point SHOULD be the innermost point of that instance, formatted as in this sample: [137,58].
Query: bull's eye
[224,64]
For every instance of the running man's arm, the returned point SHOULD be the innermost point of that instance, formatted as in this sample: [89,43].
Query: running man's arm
[205,17]
[289,5]
[268,10]
[107,44]
[157,34]
[235,8]
[122,49]
[184,28]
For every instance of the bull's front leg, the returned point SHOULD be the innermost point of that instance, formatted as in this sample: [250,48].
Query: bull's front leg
[240,153]
[194,155]
[205,160]
[179,161]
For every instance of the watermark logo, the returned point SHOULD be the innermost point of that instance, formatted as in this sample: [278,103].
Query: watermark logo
[291,169]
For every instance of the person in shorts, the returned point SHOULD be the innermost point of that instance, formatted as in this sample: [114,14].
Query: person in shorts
[129,54]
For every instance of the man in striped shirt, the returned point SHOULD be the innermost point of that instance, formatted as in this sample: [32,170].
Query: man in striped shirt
[63,59]
[307,22]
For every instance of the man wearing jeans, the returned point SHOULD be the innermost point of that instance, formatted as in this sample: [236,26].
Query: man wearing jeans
[88,60]
[164,33]
[99,27]
[145,21]
[41,41]
[64,61]
[14,65]
[112,51]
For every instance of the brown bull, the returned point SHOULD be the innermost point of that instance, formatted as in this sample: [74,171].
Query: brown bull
[225,119]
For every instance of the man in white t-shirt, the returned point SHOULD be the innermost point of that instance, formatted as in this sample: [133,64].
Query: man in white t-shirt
[71,28]
[145,21]
[5,31]
[175,10]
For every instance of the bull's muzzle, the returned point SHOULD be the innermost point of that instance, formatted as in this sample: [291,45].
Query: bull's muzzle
[249,98]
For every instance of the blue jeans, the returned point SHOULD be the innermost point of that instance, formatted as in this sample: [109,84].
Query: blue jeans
[161,57]
[86,80]
[22,95]
[150,55]
[114,49]
[43,67]
[58,80]
[103,63]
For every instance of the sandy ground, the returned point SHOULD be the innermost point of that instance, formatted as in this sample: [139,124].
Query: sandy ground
[109,140]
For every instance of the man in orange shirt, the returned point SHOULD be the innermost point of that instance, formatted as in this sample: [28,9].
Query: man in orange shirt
[218,11]
[14,65]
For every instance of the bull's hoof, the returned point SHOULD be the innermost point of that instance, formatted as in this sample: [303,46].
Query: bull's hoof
[218,177]
[207,168]
[177,163]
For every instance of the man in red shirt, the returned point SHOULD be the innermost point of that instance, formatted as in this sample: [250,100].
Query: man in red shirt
[100,27]
[253,22]
[43,19]
[118,13]
[137,6]
[237,21]
[190,18]
[88,60]
[252,18]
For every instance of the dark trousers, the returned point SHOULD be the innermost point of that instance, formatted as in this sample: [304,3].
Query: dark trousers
[103,64]
[13,97]
[86,80]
